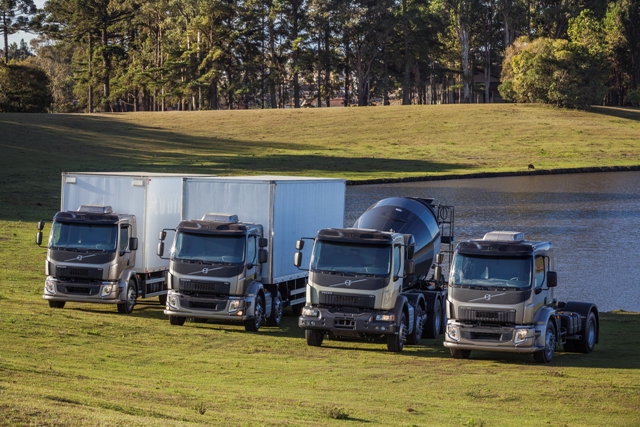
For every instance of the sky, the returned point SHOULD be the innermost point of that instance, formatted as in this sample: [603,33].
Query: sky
[15,38]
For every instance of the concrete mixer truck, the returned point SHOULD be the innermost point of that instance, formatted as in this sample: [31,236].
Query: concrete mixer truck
[381,279]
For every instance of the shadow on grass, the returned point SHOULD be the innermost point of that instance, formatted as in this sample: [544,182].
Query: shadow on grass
[629,113]
[37,148]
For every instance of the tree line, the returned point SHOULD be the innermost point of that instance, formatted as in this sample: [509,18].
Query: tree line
[156,55]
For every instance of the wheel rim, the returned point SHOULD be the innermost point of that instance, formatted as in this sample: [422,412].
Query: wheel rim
[419,324]
[131,298]
[403,331]
[591,334]
[258,312]
[550,343]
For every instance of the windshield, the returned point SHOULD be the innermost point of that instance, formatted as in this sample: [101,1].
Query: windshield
[209,248]
[491,271]
[351,258]
[83,236]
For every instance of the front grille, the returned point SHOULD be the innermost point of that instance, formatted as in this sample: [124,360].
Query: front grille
[190,287]
[492,316]
[347,324]
[79,290]
[63,272]
[203,305]
[347,300]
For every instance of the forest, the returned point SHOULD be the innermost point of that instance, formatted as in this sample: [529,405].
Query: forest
[160,55]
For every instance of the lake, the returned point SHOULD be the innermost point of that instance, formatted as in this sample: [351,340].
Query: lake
[592,219]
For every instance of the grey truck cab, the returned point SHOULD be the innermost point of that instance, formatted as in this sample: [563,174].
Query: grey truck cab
[90,258]
[215,273]
[501,298]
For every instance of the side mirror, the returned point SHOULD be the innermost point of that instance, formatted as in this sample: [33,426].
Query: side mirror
[439,258]
[262,256]
[39,238]
[411,250]
[263,242]
[552,279]
[409,267]
[40,225]
[299,245]
[133,243]
[161,249]
[163,235]
[297,259]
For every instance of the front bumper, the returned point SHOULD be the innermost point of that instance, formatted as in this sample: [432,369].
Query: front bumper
[101,293]
[347,323]
[493,338]
[220,308]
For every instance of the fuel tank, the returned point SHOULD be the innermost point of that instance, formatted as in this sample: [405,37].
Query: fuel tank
[410,216]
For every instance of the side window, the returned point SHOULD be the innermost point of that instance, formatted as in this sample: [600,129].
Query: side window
[396,261]
[251,249]
[541,268]
[124,238]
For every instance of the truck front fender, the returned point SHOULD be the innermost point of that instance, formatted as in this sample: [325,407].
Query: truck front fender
[123,283]
[543,316]
[402,304]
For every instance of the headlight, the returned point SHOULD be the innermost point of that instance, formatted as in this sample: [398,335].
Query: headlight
[521,336]
[310,312]
[50,287]
[453,332]
[172,301]
[385,317]
[235,305]
[108,289]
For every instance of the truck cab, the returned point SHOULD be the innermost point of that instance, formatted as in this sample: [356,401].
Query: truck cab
[215,273]
[501,298]
[90,257]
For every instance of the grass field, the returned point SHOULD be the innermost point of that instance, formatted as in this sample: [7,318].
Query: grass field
[88,365]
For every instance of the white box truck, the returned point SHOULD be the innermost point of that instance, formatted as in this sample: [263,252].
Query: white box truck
[102,246]
[231,253]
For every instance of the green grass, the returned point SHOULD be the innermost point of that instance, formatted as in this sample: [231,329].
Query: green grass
[87,365]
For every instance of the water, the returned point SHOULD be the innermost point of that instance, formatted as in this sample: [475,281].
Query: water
[593,220]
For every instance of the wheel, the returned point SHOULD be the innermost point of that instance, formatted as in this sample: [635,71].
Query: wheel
[314,337]
[252,325]
[276,311]
[414,337]
[434,318]
[162,299]
[56,304]
[127,306]
[545,355]
[587,341]
[297,309]
[176,320]
[395,343]
[457,353]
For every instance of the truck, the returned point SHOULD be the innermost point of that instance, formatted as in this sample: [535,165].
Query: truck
[501,298]
[230,257]
[102,245]
[381,279]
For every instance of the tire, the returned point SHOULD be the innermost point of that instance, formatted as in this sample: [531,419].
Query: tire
[253,325]
[434,317]
[56,304]
[314,337]
[177,320]
[414,337]
[587,341]
[546,355]
[395,342]
[277,306]
[162,299]
[132,293]
[457,353]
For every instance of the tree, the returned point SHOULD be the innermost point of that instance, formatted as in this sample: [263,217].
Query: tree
[23,89]
[14,18]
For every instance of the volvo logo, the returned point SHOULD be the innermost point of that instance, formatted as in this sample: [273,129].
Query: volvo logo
[205,270]
[487,297]
[347,282]
[79,257]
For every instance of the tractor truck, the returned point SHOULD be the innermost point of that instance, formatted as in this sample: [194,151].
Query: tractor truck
[374,281]
[99,248]
[501,298]
[228,261]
